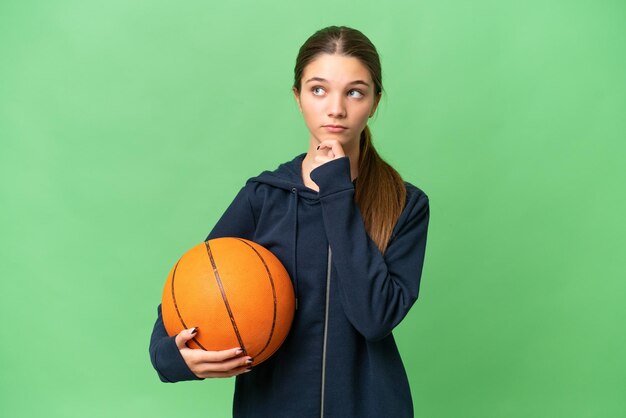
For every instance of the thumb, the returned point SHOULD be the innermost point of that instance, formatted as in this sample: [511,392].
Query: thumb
[184,336]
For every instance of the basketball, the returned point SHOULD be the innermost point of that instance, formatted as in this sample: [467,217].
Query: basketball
[236,292]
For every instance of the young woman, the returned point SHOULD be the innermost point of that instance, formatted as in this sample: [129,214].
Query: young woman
[352,235]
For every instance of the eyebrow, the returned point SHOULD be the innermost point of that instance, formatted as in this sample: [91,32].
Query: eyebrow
[323,80]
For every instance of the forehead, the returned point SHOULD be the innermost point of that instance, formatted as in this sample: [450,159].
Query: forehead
[336,69]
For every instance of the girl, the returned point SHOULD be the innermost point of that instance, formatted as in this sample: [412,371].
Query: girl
[352,235]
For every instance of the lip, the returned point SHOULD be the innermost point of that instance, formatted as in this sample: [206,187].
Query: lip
[335,128]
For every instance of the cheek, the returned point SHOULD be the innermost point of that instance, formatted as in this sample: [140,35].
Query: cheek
[364,112]
[311,111]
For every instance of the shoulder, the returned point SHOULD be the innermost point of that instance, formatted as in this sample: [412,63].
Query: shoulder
[281,179]
[414,196]
[416,211]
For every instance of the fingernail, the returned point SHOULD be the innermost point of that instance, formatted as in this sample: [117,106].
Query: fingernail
[239,351]
[318,147]
[250,360]
[249,369]
[194,330]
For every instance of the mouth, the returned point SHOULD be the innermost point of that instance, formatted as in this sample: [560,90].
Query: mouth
[335,128]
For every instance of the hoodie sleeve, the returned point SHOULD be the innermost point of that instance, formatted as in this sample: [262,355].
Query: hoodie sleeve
[165,356]
[376,290]
[237,221]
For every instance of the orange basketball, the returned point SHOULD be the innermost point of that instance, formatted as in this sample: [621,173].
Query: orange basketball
[236,292]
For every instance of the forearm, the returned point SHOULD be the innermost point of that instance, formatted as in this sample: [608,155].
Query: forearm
[165,355]
[376,291]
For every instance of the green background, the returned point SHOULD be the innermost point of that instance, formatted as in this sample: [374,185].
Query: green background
[126,129]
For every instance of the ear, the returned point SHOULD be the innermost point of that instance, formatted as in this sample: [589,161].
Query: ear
[376,101]
[296,95]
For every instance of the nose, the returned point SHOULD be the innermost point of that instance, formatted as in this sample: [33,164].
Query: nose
[336,106]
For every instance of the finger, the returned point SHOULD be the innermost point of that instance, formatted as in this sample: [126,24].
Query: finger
[328,151]
[324,147]
[225,366]
[329,142]
[332,145]
[230,373]
[321,160]
[184,336]
[201,356]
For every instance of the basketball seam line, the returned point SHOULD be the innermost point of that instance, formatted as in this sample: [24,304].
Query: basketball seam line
[269,273]
[176,305]
[224,298]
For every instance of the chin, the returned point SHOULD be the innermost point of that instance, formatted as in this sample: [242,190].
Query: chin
[342,138]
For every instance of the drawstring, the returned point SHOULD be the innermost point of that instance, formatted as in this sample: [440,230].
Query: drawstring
[295,241]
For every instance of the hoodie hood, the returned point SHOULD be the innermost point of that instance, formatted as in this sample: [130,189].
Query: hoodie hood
[287,176]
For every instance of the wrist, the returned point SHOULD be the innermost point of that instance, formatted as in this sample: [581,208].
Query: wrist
[333,176]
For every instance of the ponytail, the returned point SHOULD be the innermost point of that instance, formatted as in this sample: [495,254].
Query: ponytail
[380,193]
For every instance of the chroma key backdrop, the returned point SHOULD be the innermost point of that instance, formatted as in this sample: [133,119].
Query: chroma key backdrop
[127,127]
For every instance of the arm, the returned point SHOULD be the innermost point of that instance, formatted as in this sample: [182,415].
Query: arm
[376,291]
[165,356]
[237,221]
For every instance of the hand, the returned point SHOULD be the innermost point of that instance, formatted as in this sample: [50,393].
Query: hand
[328,150]
[203,364]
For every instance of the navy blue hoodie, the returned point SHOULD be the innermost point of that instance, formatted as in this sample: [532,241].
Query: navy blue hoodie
[340,358]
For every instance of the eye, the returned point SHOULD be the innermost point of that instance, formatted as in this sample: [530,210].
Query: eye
[316,89]
[358,95]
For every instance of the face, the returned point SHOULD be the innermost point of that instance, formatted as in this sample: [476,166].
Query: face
[336,90]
